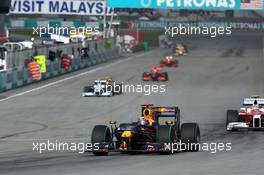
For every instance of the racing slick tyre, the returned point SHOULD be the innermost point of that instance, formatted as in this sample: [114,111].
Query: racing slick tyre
[162,64]
[176,64]
[111,94]
[165,134]
[232,116]
[165,74]
[118,89]
[145,74]
[101,134]
[190,137]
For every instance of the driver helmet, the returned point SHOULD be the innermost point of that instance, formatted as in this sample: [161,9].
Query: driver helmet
[143,122]
[168,58]
[255,106]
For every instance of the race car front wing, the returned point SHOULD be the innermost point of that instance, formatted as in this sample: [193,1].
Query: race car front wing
[146,148]
[242,126]
[94,94]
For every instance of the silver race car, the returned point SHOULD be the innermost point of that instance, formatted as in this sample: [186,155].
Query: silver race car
[102,88]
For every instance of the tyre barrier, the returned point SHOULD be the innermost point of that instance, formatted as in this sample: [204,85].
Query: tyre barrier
[20,76]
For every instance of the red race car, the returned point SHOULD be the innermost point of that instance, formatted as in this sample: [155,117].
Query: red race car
[156,74]
[249,117]
[169,61]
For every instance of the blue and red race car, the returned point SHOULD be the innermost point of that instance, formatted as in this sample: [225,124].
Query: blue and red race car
[156,128]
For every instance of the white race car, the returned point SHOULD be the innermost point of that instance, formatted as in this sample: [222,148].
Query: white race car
[104,88]
[250,116]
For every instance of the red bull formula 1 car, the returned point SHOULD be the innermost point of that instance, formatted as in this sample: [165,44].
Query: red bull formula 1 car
[169,61]
[249,117]
[156,74]
[154,131]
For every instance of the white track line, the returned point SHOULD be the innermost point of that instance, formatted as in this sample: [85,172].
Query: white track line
[72,77]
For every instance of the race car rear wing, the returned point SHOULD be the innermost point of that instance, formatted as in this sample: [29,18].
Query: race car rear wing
[163,112]
[250,101]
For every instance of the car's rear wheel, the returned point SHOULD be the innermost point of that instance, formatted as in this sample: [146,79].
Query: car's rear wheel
[118,89]
[101,134]
[176,63]
[162,64]
[232,116]
[190,137]
[145,74]
[165,74]
[111,94]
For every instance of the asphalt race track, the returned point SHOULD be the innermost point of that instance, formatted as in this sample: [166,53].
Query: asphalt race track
[215,76]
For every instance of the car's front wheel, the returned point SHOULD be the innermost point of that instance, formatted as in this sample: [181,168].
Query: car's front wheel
[165,134]
[232,116]
[190,137]
[101,134]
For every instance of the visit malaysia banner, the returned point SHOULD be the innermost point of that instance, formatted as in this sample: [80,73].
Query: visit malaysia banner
[62,7]
[189,4]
